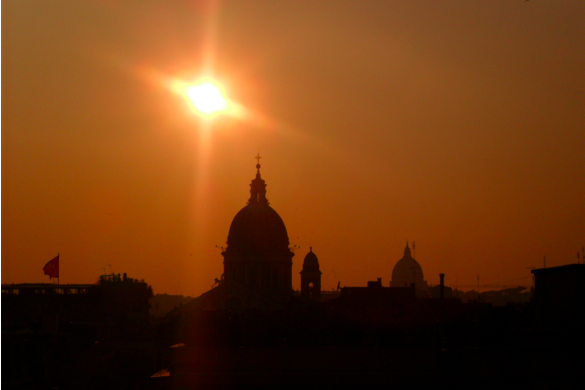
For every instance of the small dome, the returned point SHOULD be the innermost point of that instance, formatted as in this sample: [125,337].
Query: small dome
[311,262]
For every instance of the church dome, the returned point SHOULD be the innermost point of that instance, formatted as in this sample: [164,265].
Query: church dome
[257,230]
[311,262]
[407,271]
[257,257]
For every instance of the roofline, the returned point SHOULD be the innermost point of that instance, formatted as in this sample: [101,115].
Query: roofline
[560,268]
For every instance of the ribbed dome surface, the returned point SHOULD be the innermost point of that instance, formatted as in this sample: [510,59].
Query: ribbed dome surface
[257,230]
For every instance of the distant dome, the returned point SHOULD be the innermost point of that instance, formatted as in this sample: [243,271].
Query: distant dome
[257,230]
[311,262]
[407,271]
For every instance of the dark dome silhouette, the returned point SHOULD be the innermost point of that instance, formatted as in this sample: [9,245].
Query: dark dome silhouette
[257,230]
[257,254]
[407,271]
[311,262]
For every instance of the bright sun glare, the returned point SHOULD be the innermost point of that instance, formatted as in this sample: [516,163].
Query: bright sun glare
[207,98]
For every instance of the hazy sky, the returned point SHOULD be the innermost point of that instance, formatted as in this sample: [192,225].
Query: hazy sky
[455,124]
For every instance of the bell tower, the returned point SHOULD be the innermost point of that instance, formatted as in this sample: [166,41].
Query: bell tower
[311,278]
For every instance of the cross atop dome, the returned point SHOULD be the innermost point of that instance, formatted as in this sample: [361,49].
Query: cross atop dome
[258,159]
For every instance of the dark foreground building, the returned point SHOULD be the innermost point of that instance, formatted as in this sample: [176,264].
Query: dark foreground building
[54,306]
[559,294]
[75,335]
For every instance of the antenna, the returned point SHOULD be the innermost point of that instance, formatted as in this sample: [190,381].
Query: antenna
[110,265]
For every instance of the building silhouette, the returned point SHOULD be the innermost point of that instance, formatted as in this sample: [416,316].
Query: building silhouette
[311,278]
[96,306]
[252,329]
[63,335]
[257,254]
[257,260]
[559,294]
[376,292]
[408,271]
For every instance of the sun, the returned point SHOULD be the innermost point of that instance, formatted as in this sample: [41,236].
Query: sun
[207,98]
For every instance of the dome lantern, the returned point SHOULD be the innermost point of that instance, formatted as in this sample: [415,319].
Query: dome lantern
[258,187]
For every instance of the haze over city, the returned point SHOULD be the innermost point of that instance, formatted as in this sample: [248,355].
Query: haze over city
[457,125]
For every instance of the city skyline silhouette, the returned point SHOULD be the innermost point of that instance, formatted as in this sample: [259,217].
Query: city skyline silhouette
[223,193]
[377,124]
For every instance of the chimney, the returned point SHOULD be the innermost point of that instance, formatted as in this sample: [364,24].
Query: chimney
[442,290]
[375,284]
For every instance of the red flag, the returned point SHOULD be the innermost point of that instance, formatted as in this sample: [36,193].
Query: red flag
[52,268]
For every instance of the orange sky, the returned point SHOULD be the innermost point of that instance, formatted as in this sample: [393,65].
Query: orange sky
[455,124]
